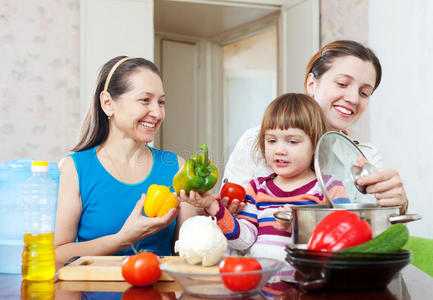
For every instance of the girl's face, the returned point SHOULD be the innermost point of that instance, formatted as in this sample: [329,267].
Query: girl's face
[343,92]
[138,113]
[288,152]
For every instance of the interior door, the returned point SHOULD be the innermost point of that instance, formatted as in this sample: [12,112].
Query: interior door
[179,130]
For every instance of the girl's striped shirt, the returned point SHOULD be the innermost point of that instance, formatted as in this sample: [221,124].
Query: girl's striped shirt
[253,227]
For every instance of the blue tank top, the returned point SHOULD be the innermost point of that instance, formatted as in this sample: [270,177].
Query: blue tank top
[107,202]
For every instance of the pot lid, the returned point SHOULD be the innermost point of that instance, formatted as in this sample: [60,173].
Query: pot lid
[338,160]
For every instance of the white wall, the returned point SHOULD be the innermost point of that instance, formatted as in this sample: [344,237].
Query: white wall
[402,107]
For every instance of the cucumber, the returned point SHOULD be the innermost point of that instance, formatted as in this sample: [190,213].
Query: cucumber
[391,240]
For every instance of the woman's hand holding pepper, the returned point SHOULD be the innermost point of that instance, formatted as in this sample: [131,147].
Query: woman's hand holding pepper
[387,187]
[137,226]
[208,202]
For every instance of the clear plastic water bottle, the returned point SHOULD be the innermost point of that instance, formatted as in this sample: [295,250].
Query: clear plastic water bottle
[39,195]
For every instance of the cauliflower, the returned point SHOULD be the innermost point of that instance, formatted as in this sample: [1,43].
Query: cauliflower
[201,240]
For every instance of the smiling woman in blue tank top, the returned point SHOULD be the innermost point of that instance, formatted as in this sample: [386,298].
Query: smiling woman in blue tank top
[102,184]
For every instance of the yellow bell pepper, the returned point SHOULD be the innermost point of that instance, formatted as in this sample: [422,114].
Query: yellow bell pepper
[159,200]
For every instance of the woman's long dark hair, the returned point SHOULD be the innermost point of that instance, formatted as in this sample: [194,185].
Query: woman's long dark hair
[95,128]
[322,61]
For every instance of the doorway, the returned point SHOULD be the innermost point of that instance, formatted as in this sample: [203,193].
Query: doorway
[208,57]
[210,25]
[250,83]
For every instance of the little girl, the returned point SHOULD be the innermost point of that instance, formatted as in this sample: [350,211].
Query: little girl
[291,127]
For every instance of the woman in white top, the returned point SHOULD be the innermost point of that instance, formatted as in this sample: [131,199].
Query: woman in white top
[341,77]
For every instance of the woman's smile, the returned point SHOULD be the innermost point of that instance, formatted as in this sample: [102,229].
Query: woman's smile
[344,111]
[149,125]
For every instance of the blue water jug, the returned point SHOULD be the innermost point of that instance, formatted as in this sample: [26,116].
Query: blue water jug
[13,174]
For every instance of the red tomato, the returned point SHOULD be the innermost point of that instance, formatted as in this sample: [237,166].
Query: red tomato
[240,283]
[141,269]
[140,293]
[233,191]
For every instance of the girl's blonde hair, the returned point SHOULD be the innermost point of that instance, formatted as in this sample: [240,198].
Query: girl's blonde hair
[293,111]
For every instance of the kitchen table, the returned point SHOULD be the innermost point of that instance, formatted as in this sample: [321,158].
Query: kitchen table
[411,283]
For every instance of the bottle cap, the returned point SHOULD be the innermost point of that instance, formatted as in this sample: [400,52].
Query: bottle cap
[40,166]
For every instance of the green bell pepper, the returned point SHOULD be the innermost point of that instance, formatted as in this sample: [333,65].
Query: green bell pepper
[197,174]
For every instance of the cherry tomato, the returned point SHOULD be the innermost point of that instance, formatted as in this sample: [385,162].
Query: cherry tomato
[241,282]
[233,191]
[141,269]
[141,293]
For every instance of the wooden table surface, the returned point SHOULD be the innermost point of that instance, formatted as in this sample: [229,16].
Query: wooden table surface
[411,283]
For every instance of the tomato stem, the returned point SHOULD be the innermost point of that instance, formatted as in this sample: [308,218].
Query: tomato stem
[133,249]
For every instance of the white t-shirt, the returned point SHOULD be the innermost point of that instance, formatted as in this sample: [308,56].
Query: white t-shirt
[247,162]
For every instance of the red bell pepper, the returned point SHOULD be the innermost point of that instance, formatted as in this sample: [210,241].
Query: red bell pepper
[338,230]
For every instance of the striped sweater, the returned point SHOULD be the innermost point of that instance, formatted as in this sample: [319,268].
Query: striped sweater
[252,227]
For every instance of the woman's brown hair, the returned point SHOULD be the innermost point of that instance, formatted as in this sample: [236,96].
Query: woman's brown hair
[293,111]
[95,128]
[322,61]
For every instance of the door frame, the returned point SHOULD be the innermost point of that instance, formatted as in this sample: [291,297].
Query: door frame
[298,30]
[293,50]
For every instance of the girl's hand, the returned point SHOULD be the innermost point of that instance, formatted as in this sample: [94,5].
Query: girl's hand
[234,207]
[387,187]
[137,226]
[281,225]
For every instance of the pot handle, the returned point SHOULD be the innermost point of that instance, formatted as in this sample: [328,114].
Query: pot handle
[284,216]
[404,218]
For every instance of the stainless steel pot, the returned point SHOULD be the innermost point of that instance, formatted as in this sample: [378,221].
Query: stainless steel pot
[337,159]
[305,218]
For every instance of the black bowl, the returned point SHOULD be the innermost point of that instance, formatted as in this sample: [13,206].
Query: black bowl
[360,271]
[296,252]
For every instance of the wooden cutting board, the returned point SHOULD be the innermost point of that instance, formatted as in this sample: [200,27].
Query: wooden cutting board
[100,268]
[182,266]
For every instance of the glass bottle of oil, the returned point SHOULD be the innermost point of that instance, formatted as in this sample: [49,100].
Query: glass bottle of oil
[39,194]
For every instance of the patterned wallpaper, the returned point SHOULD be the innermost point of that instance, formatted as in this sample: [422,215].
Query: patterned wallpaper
[39,72]
[39,78]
